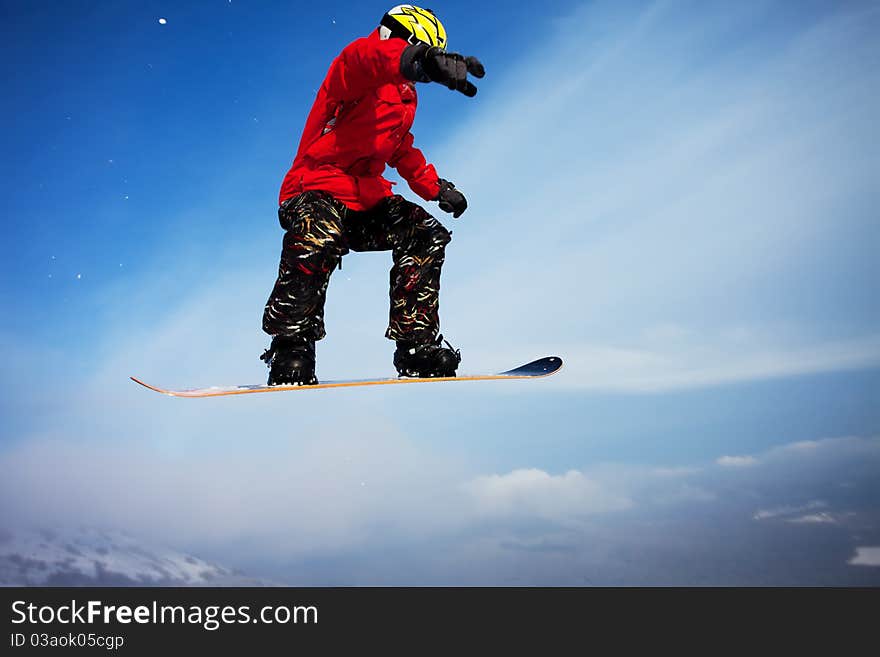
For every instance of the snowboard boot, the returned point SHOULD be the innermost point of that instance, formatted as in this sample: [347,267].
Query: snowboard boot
[291,361]
[426,360]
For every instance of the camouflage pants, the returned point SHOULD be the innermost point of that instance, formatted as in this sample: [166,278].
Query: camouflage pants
[320,230]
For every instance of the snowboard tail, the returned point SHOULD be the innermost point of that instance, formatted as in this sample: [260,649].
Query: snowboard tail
[536,369]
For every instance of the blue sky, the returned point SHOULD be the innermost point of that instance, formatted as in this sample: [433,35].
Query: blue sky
[679,198]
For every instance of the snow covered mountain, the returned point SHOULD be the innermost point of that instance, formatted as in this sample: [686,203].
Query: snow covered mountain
[91,557]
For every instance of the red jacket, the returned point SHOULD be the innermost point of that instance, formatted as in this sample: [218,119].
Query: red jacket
[359,123]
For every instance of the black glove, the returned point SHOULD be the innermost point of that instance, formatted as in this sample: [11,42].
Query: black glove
[451,200]
[423,63]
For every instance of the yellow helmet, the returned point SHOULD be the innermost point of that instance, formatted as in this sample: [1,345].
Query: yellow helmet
[413,24]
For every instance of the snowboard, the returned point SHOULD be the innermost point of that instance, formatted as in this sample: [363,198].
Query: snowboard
[536,369]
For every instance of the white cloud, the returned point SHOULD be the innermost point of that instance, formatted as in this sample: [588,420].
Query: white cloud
[788,511]
[675,471]
[803,446]
[736,461]
[866,556]
[825,450]
[814,518]
[534,492]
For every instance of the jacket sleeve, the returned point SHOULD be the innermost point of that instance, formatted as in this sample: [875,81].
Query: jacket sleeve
[411,164]
[363,65]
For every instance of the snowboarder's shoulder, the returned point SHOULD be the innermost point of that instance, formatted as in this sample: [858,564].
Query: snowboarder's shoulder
[371,44]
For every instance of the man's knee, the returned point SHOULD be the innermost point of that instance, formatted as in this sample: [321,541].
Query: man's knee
[428,233]
[436,236]
[313,226]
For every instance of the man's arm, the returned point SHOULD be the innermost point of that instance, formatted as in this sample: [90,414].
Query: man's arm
[423,180]
[411,164]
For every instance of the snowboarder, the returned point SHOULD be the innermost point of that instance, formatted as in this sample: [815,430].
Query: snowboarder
[334,198]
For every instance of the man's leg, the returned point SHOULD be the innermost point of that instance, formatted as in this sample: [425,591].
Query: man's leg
[294,314]
[310,252]
[417,242]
